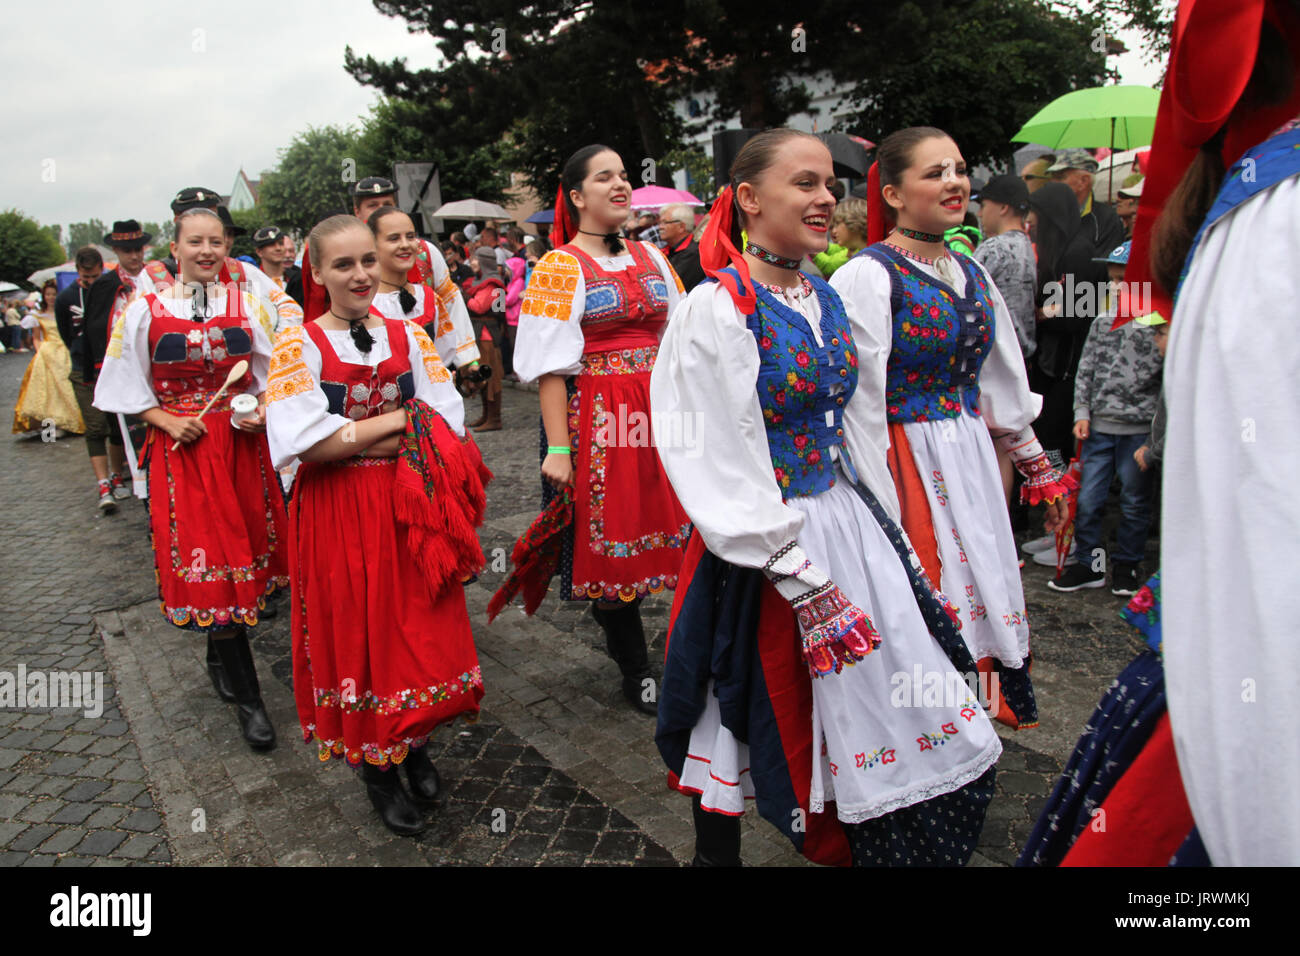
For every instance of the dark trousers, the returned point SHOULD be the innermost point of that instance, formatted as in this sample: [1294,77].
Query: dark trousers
[1103,456]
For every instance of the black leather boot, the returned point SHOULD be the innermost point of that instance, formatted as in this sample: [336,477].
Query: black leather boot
[220,682]
[422,775]
[717,837]
[625,642]
[394,806]
[237,659]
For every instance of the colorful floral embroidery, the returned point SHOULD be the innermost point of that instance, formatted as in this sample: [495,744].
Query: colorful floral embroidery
[882,755]
[940,488]
[934,363]
[977,611]
[553,285]
[409,699]
[930,741]
[1015,618]
[620,362]
[961,552]
[289,374]
[433,366]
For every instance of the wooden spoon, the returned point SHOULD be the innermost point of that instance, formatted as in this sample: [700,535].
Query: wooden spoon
[239,371]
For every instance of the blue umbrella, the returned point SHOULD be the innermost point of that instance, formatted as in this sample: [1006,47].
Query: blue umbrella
[545,217]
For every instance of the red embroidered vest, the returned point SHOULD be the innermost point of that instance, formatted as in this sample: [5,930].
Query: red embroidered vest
[358,391]
[625,309]
[190,360]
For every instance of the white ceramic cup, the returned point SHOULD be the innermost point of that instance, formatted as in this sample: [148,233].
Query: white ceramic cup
[241,407]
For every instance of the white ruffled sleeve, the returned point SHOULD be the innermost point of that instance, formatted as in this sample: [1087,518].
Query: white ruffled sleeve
[262,319]
[455,332]
[863,286]
[709,431]
[125,382]
[549,339]
[1006,402]
[297,411]
[433,383]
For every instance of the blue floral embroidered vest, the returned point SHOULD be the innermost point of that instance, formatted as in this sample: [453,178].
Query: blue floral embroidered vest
[795,378]
[940,340]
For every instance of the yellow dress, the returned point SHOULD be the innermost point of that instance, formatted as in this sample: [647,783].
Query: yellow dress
[46,395]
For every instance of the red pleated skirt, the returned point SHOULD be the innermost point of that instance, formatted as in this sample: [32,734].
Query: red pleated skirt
[630,531]
[220,533]
[379,660]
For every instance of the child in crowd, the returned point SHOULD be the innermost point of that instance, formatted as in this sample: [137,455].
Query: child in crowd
[1115,394]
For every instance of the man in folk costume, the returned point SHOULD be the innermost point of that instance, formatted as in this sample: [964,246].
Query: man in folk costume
[452,332]
[273,259]
[162,272]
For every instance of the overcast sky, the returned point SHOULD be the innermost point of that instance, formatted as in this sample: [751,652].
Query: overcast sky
[100,98]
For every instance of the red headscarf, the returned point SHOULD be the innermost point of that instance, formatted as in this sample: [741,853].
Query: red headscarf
[717,251]
[562,229]
[1211,57]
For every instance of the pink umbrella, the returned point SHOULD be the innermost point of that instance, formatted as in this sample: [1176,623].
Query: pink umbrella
[656,197]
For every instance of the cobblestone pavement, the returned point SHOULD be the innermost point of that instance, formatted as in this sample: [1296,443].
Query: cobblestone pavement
[557,771]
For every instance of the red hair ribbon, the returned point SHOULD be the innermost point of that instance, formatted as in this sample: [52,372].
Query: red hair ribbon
[1212,54]
[315,300]
[877,227]
[562,229]
[717,251]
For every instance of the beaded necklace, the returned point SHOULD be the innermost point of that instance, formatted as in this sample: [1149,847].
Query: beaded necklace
[917,257]
[920,236]
[781,262]
[802,292]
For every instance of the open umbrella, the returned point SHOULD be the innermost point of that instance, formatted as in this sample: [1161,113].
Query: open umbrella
[470,209]
[543,217]
[656,197]
[8,288]
[1120,117]
[848,154]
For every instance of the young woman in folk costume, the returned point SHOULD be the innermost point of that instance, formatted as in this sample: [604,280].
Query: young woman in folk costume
[800,601]
[1182,754]
[216,513]
[589,328]
[954,386]
[46,394]
[381,529]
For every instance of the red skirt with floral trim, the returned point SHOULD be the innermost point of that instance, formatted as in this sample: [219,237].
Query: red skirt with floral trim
[217,517]
[379,660]
[629,530]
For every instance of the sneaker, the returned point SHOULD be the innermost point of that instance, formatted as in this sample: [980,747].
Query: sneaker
[1039,545]
[1125,581]
[1078,577]
[106,503]
[1048,558]
[120,490]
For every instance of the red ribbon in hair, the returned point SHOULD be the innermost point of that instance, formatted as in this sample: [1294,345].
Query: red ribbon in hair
[562,229]
[315,300]
[877,227]
[717,251]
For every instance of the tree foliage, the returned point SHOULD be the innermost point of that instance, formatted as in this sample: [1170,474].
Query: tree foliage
[80,234]
[313,179]
[25,246]
[541,79]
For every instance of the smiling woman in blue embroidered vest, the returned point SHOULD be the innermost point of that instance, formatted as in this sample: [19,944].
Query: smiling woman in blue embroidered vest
[955,383]
[801,611]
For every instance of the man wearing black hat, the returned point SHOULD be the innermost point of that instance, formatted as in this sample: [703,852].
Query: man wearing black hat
[1007,253]
[272,256]
[287,310]
[105,301]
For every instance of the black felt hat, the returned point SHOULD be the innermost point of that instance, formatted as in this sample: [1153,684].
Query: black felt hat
[195,197]
[127,234]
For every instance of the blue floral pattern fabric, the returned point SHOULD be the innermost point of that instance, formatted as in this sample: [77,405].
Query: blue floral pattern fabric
[801,385]
[940,340]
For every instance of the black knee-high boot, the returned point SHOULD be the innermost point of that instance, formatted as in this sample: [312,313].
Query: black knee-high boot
[217,673]
[391,801]
[717,837]
[237,660]
[422,775]
[625,642]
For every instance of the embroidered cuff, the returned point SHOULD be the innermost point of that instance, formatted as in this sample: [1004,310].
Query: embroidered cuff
[834,631]
[792,573]
[1044,482]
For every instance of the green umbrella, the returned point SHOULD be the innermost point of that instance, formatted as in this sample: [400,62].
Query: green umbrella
[1121,117]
